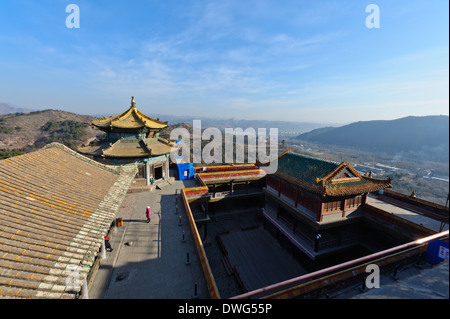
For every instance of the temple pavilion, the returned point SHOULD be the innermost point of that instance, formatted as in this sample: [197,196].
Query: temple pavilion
[318,204]
[133,137]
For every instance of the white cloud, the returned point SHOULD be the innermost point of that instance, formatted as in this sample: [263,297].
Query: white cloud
[249,58]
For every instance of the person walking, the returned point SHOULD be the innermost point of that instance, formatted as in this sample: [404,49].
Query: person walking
[147,214]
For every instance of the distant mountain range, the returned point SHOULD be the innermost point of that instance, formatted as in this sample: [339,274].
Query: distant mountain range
[6,108]
[283,126]
[206,122]
[424,138]
[420,138]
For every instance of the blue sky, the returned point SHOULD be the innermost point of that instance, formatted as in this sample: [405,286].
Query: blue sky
[247,59]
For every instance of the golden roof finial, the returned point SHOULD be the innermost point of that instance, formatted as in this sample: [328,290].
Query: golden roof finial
[132,102]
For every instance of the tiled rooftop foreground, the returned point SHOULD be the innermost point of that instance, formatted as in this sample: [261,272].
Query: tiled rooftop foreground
[55,208]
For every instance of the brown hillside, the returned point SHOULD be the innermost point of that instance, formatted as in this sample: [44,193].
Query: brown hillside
[25,128]
[25,133]
[165,132]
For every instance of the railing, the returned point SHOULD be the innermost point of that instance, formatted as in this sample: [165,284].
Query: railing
[421,206]
[210,281]
[232,174]
[296,286]
[224,168]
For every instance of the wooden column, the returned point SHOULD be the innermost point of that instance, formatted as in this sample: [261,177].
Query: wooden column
[363,199]
[147,173]
[103,249]
[167,167]
[319,217]
[318,209]
[84,290]
[322,204]
[344,204]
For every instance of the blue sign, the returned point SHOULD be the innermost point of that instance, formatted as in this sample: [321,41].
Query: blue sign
[437,251]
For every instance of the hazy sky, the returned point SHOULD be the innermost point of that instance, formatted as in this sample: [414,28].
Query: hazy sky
[299,60]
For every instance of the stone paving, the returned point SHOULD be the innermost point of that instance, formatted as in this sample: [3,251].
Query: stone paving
[405,214]
[149,259]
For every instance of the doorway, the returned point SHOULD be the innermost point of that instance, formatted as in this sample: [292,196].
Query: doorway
[158,173]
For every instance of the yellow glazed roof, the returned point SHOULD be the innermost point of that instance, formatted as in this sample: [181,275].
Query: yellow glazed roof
[130,119]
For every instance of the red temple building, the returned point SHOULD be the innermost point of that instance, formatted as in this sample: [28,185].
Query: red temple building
[318,204]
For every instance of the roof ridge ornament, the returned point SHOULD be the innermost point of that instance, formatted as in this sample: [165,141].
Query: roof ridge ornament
[133,104]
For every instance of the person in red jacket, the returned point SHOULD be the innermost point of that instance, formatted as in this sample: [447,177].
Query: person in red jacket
[107,243]
[147,214]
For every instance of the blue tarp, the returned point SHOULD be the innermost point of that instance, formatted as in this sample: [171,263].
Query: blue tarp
[185,171]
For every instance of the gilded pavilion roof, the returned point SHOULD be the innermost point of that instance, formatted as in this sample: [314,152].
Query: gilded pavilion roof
[326,178]
[55,208]
[130,119]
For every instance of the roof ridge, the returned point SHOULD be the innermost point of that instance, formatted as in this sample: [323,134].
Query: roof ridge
[110,168]
[311,157]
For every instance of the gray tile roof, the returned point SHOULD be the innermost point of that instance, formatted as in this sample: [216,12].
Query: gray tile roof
[55,208]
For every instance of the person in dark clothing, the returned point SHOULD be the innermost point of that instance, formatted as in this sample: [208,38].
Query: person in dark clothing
[107,243]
